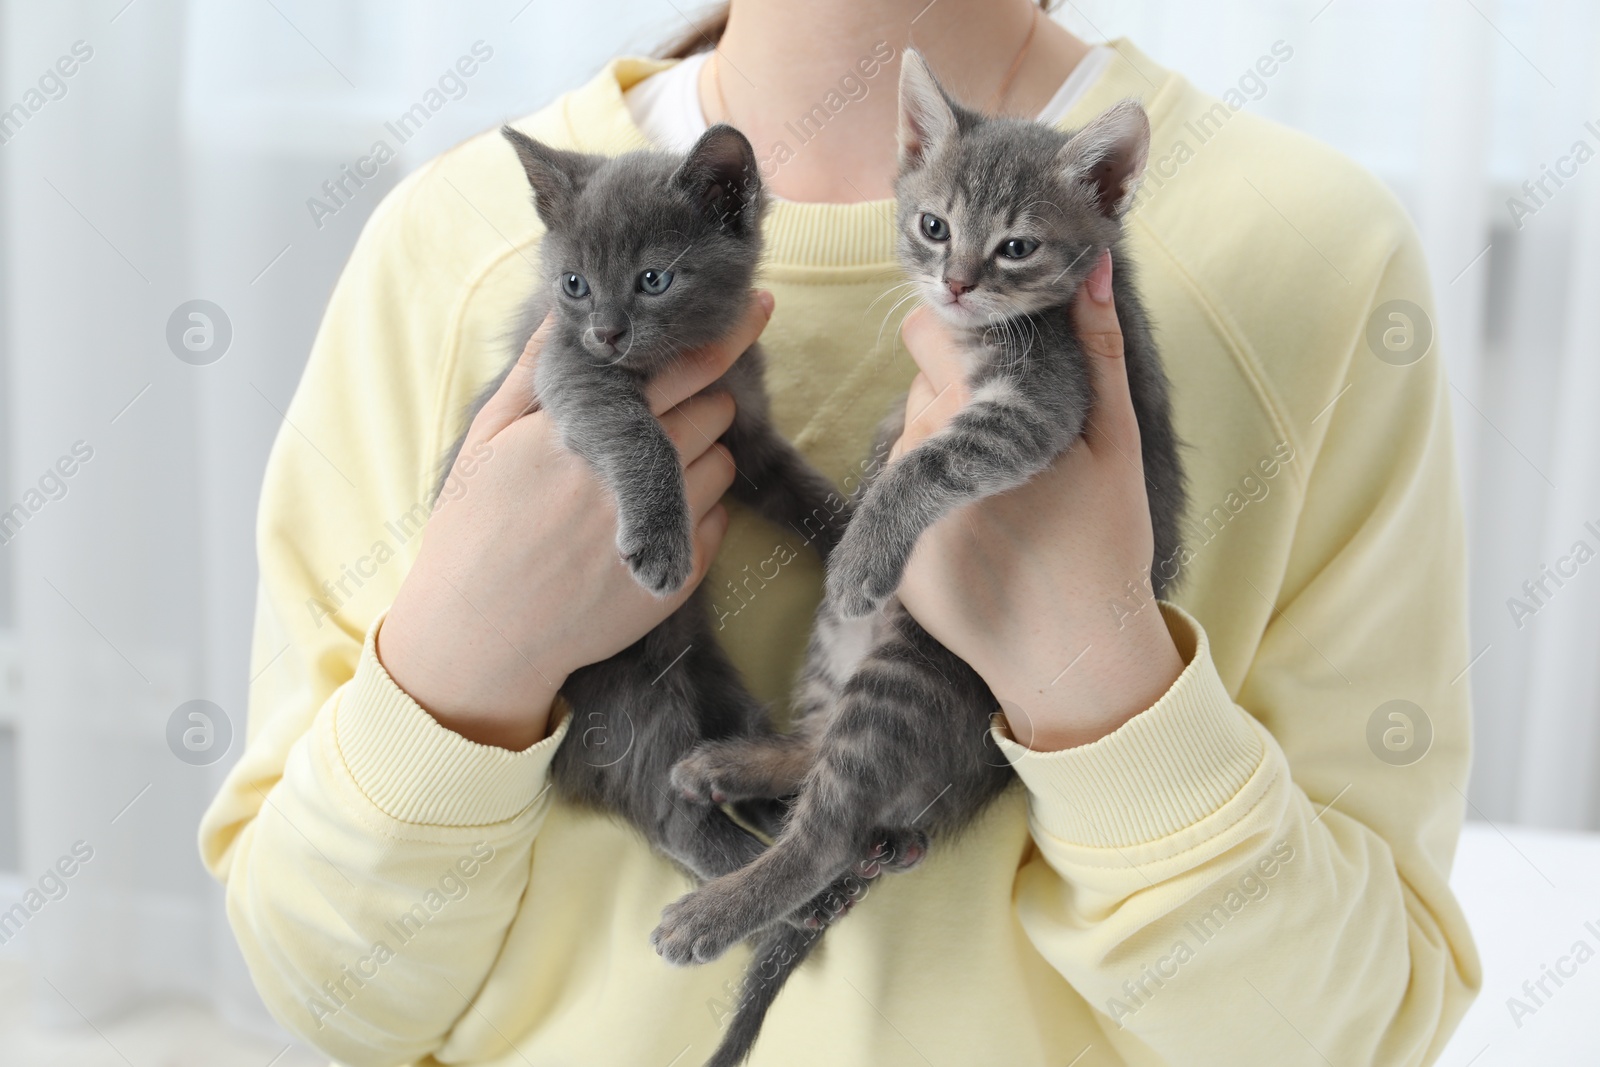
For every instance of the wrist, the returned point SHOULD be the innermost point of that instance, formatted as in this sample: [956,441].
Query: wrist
[1117,674]
[491,705]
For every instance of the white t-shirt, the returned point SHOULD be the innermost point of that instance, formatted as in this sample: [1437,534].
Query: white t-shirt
[666,106]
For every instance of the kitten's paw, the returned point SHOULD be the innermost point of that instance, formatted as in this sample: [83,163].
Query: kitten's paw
[696,929]
[900,850]
[698,776]
[659,554]
[861,578]
[893,852]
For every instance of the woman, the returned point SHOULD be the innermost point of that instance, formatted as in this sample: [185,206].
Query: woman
[1230,847]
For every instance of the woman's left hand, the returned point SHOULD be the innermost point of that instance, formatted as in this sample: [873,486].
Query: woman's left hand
[1044,590]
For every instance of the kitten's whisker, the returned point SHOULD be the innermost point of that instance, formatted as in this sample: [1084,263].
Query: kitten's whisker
[877,344]
[1009,338]
[889,314]
[883,295]
[1029,333]
[1021,343]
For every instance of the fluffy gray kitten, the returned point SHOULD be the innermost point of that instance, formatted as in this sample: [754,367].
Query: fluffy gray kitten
[1000,220]
[649,256]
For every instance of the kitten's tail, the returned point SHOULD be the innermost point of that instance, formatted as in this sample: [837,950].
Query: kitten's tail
[781,949]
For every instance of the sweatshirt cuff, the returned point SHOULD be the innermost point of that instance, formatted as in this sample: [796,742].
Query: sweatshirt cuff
[1173,765]
[417,771]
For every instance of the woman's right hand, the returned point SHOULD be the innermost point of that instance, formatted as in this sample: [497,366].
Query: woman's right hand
[518,582]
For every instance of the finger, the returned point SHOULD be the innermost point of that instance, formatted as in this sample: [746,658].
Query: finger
[707,478]
[697,423]
[1112,423]
[515,397]
[698,369]
[917,399]
[932,347]
[927,412]
[708,534]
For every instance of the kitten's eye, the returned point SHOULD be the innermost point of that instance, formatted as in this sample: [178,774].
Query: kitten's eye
[574,286]
[1018,247]
[655,282]
[934,228]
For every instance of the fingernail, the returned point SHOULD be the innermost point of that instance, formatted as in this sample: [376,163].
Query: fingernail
[766,300]
[1100,280]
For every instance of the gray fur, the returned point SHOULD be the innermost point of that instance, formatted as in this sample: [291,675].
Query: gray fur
[699,217]
[642,710]
[893,730]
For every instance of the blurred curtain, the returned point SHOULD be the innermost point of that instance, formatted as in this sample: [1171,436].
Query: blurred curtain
[177,164]
[1455,104]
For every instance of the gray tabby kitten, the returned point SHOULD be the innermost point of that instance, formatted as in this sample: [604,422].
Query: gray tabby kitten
[649,256]
[1000,220]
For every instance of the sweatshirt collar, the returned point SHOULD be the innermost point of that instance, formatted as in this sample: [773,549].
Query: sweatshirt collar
[860,234]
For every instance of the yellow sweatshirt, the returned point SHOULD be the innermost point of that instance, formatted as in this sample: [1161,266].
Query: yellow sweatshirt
[1252,871]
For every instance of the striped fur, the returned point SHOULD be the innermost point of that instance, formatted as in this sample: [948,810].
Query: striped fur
[893,738]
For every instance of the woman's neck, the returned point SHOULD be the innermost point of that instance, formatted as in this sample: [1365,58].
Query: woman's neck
[794,78]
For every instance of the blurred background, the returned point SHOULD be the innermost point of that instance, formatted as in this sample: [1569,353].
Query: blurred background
[177,163]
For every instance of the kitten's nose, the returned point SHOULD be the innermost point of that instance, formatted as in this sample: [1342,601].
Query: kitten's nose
[958,286]
[607,335]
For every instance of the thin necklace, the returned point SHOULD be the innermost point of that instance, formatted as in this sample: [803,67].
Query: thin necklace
[994,102]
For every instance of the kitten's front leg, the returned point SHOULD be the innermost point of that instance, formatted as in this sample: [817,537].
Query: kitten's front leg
[604,417]
[655,533]
[995,443]
[866,568]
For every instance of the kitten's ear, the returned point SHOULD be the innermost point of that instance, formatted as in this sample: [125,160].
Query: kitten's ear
[721,176]
[926,115]
[1109,156]
[555,175]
